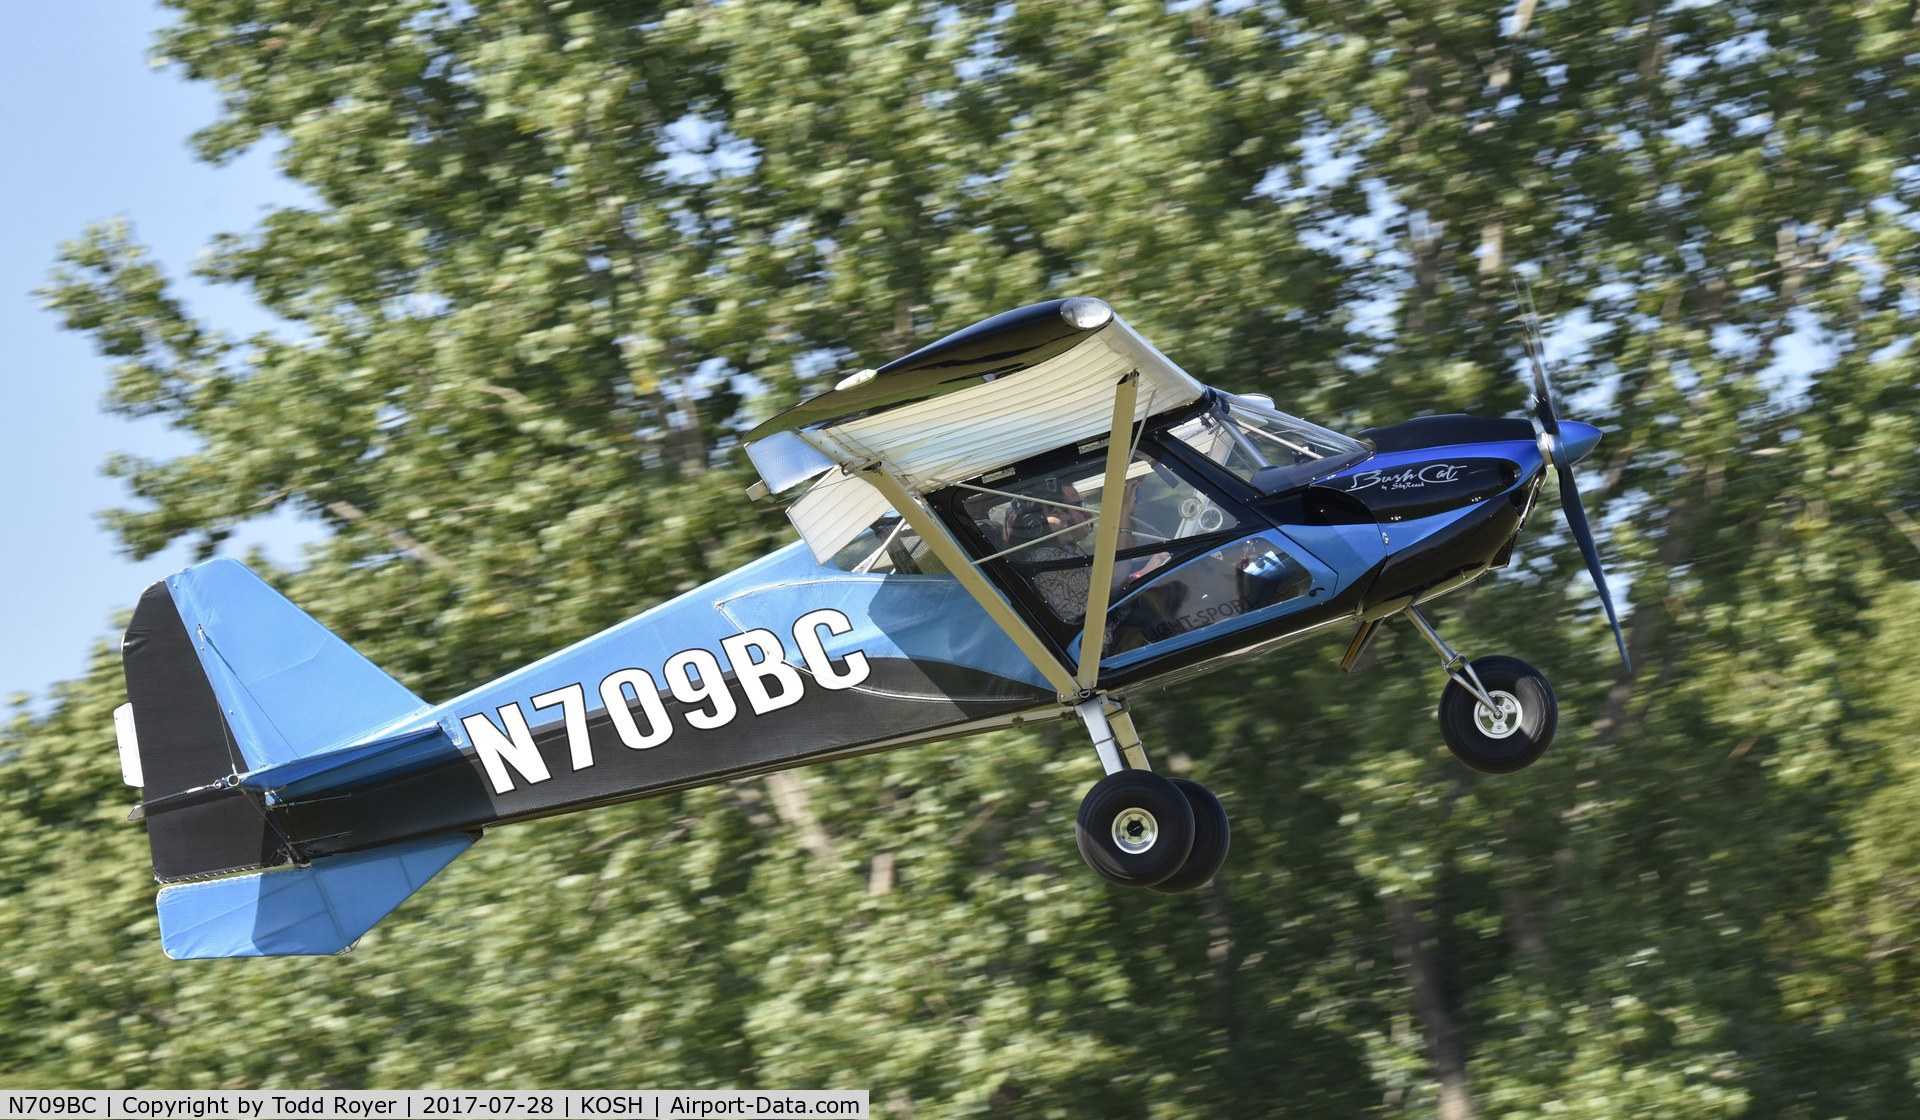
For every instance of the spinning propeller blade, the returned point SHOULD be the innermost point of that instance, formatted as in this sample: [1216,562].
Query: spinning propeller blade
[1544,421]
[1547,425]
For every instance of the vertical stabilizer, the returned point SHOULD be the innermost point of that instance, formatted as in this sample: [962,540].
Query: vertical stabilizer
[290,688]
[224,677]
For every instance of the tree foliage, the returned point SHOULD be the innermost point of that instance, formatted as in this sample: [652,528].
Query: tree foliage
[564,252]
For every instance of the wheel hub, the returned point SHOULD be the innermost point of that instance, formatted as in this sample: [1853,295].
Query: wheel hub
[1134,831]
[1500,724]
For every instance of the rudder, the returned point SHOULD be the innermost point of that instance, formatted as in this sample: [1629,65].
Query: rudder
[195,825]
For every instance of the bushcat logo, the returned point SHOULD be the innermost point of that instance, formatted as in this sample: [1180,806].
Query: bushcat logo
[693,677]
[1410,478]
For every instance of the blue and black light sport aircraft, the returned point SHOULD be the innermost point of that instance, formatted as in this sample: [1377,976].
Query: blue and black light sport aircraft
[1037,517]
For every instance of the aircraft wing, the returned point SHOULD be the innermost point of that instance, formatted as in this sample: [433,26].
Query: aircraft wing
[1003,390]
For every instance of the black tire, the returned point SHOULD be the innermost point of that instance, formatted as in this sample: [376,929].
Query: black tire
[1211,838]
[1529,735]
[1142,804]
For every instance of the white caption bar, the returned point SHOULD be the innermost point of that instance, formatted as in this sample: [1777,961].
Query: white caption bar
[431,1104]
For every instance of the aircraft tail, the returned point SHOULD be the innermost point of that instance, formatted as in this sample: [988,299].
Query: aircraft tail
[226,677]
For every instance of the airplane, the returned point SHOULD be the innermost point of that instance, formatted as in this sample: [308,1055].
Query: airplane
[1038,517]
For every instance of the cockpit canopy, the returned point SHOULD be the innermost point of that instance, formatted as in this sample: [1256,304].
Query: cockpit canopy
[1268,449]
[1190,552]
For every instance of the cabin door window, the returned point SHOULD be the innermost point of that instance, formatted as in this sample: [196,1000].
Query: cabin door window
[1042,522]
[1224,584]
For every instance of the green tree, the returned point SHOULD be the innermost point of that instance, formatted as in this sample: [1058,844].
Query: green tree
[563,252]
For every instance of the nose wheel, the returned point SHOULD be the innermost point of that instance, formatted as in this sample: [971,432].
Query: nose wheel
[1510,738]
[1497,714]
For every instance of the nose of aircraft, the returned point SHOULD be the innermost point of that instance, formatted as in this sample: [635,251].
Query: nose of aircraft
[1578,439]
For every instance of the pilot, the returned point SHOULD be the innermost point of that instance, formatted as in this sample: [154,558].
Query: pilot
[1064,590]
[1032,520]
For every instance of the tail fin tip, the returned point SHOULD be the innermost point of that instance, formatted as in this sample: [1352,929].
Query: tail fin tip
[294,687]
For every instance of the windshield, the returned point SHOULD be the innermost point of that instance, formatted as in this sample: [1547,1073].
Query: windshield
[1269,449]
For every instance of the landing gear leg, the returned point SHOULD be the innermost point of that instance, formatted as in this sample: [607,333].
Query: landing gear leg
[1093,713]
[1136,828]
[1456,664]
[1497,714]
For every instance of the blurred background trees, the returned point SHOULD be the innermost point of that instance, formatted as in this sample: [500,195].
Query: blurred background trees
[567,251]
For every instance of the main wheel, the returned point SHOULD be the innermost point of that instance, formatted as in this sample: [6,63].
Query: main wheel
[1511,738]
[1135,828]
[1211,837]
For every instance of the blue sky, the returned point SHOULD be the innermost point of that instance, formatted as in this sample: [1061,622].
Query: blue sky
[93,131]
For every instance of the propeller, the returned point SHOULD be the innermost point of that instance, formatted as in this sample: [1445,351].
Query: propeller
[1554,446]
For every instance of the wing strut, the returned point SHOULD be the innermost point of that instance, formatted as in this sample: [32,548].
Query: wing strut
[1106,539]
[1100,581]
[932,531]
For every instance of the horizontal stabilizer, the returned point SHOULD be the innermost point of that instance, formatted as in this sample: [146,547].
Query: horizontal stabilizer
[317,910]
[406,751]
